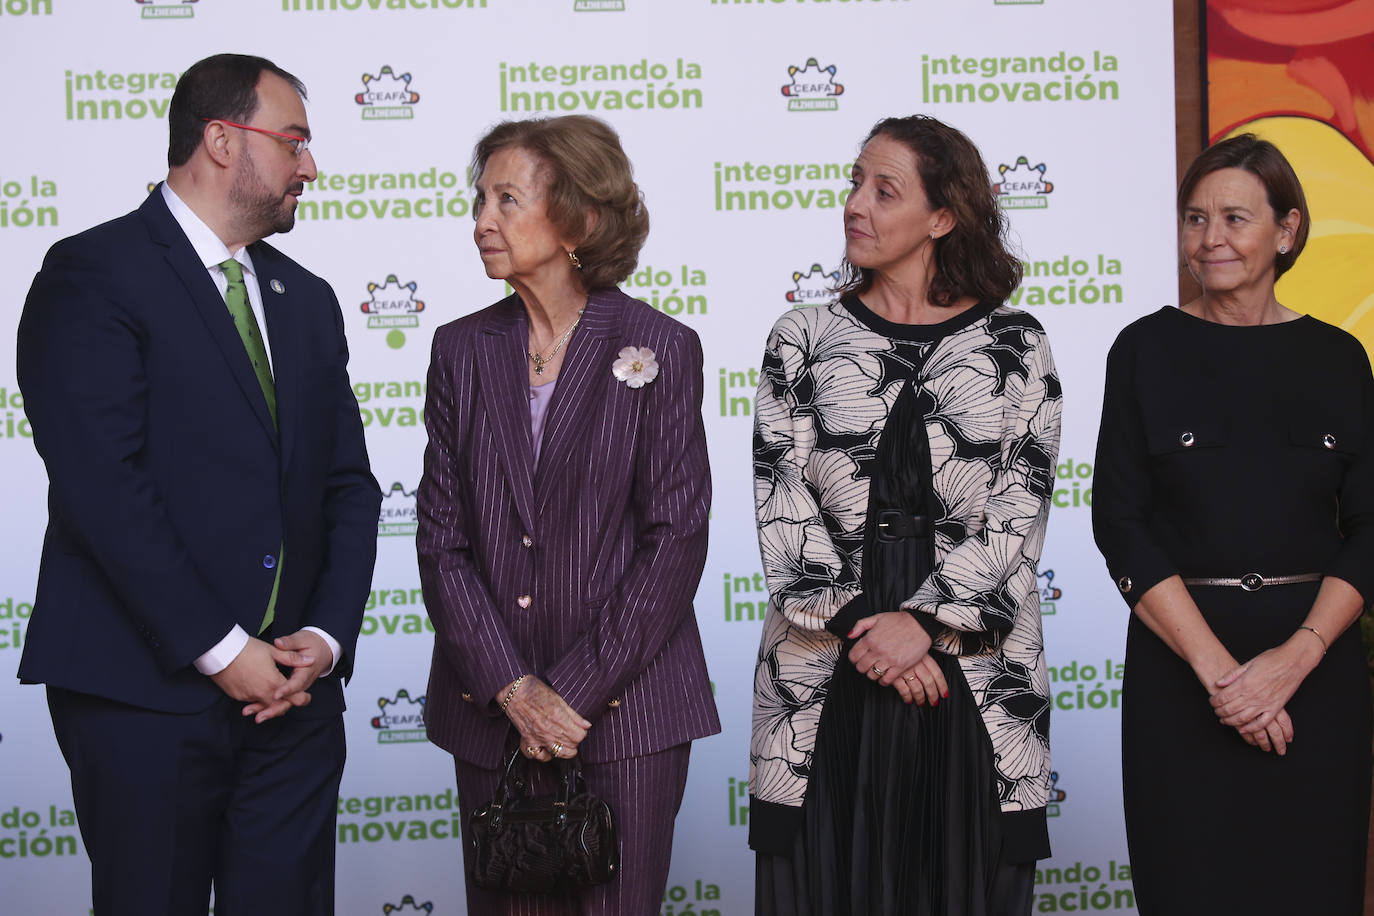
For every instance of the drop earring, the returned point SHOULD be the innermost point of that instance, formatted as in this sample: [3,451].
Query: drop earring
[573,260]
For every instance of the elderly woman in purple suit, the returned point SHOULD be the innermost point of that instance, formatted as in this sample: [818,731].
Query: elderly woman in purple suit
[562,514]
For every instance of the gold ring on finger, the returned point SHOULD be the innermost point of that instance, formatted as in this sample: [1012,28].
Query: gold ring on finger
[910,677]
[557,750]
[533,750]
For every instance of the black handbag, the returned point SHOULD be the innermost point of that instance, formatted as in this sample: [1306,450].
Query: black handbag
[534,844]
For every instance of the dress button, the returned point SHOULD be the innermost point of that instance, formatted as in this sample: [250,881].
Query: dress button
[1329,441]
[526,541]
[523,601]
[1125,584]
[615,702]
[468,697]
[269,561]
[1186,440]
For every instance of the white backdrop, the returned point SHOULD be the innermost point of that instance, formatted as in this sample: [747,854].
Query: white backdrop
[741,117]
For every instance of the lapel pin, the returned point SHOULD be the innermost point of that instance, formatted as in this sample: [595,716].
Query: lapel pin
[278,287]
[635,366]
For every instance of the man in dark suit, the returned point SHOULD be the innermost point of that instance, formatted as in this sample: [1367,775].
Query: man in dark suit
[209,490]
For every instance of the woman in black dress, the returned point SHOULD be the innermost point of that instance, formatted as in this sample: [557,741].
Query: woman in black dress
[904,446]
[1234,503]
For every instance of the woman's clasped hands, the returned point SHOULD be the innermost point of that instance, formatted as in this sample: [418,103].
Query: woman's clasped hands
[548,726]
[894,650]
[1251,697]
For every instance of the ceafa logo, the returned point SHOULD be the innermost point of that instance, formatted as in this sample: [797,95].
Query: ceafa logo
[398,516]
[812,88]
[598,6]
[402,719]
[393,306]
[408,905]
[1057,795]
[1023,186]
[815,287]
[175,9]
[1049,592]
[386,96]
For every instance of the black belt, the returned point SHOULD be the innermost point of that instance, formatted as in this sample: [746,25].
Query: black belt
[894,525]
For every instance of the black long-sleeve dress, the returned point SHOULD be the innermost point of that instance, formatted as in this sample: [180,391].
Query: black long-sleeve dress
[1223,451]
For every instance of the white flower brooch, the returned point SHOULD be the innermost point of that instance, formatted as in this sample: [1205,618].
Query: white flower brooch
[636,366]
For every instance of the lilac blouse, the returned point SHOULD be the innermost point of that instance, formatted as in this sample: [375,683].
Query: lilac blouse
[540,396]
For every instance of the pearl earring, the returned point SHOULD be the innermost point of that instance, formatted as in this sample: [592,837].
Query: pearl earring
[1283,249]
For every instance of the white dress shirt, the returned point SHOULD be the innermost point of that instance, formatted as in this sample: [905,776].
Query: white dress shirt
[212,252]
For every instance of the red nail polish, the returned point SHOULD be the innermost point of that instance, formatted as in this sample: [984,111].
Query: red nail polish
[936,702]
[945,694]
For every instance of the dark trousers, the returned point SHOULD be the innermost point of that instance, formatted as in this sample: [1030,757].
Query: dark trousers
[645,794]
[169,804]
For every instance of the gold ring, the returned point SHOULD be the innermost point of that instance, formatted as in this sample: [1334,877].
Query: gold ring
[878,671]
[910,677]
[533,750]
[557,750]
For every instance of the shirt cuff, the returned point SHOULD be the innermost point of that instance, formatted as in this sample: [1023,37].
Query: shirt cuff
[223,653]
[334,648]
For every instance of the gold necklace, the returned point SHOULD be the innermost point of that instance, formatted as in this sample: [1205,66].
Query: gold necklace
[539,360]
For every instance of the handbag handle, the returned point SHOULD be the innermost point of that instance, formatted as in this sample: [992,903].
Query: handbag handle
[503,792]
[571,783]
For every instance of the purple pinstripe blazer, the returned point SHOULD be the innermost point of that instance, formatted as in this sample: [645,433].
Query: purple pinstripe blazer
[606,538]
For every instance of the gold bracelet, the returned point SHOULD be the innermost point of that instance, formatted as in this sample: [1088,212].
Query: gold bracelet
[510,694]
[1317,633]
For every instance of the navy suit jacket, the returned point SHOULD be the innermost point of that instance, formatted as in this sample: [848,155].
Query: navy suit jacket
[169,486]
[582,570]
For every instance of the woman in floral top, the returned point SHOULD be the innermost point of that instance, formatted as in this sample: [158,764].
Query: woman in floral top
[904,448]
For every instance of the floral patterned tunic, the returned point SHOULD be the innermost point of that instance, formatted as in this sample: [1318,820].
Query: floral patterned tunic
[991,401]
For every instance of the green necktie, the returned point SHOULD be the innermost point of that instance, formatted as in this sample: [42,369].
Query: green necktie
[236,297]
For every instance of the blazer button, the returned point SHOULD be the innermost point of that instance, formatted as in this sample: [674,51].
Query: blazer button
[1329,441]
[269,561]
[468,697]
[523,601]
[1125,584]
[615,702]
[526,541]
[1186,440]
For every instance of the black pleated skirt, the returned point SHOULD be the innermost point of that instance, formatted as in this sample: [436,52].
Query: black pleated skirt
[901,811]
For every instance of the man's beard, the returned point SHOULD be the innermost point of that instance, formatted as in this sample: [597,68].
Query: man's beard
[261,211]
